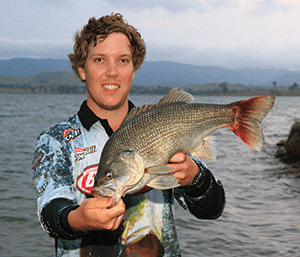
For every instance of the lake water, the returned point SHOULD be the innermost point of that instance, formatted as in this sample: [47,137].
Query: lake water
[262,214]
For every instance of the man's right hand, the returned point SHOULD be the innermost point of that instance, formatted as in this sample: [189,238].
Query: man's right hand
[97,214]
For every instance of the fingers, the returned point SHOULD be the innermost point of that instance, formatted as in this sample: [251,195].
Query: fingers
[110,218]
[178,162]
[178,157]
[180,173]
[184,168]
[117,210]
[97,214]
[117,222]
[103,202]
[179,167]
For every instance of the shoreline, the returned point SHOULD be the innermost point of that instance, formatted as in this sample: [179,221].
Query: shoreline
[76,90]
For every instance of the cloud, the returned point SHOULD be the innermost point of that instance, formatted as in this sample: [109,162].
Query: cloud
[231,33]
[35,48]
[240,57]
[172,6]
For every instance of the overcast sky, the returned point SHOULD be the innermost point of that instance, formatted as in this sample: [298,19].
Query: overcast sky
[228,33]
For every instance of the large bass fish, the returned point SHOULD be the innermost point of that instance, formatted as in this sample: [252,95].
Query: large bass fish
[138,151]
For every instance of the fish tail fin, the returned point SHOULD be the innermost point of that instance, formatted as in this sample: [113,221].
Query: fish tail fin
[249,115]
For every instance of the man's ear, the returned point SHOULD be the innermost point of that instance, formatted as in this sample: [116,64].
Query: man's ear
[133,76]
[81,73]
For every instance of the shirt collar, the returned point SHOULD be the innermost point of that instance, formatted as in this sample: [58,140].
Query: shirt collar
[88,118]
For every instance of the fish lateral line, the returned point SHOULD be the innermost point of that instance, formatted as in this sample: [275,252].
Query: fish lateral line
[133,165]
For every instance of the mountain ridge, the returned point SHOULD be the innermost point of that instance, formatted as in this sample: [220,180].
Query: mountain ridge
[151,73]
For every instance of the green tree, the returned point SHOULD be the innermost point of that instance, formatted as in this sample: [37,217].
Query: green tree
[224,87]
[293,87]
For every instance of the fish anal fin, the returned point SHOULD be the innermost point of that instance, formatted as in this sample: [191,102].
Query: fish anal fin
[207,149]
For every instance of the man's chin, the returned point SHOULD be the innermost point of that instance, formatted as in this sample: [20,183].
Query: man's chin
[111,107]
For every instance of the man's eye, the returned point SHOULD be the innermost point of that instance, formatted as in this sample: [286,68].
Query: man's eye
[99,60]
[124,60]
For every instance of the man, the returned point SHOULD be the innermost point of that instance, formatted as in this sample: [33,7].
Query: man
[107,52]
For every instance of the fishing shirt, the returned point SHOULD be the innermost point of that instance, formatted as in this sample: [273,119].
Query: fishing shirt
[65,162]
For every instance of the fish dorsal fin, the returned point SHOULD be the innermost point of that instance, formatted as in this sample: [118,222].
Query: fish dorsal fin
[175,95]
[136,111]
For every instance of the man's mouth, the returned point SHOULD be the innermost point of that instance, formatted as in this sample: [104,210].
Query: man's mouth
[111,86]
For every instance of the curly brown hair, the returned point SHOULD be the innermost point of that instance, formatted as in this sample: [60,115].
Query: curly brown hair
[97,30]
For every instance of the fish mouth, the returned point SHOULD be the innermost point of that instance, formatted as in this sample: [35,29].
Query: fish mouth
[101,191]
[108,191]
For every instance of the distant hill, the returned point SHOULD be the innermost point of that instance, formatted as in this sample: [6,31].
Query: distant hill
[288,78]
[152,73]
[170,73]
[43,78]
[21,67]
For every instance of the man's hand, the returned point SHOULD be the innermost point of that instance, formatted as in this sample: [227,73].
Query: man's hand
[184,168]
[97,214]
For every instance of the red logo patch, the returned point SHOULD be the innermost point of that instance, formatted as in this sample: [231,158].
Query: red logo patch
[71,134]
[67,131]
[37,161]
[79,150]
[85,181]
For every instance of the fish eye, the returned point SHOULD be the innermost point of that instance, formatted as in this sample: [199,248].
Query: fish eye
[109,175]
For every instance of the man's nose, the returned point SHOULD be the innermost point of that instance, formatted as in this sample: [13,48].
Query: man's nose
[112,69]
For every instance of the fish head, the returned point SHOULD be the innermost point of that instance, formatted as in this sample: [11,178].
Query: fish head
[117,174]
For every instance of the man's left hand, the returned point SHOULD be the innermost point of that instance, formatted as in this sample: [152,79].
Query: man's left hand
[184,168]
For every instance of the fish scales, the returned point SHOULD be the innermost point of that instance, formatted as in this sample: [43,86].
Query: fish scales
[137,153]
[169,129]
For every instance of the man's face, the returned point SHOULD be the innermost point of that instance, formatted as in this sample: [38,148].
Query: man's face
[108,72]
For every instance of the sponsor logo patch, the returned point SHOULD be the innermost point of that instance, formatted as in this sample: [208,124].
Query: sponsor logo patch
[40,190]
[36,161]
[80,153]
[71,134]
[85,181]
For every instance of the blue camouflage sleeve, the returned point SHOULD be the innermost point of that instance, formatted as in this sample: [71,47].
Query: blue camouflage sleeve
[205,198]
[53,177]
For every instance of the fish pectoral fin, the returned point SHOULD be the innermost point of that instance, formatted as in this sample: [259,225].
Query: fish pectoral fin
[159,170]
[163,182]
[161,177]
[207,149]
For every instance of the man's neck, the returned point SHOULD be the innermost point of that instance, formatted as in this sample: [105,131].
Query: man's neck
[114,117]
